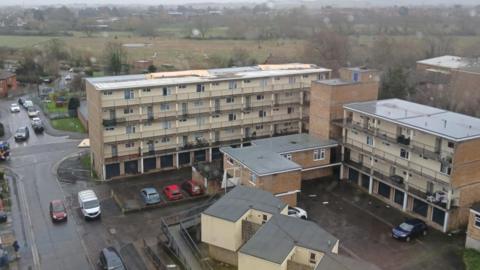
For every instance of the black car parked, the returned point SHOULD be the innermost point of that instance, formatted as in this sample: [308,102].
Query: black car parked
[110,259]
[409,229]
[22,134]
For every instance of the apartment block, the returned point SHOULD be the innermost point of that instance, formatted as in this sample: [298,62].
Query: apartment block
[473,228]
[249,228]
[279,164]
[420,159]
[145,123]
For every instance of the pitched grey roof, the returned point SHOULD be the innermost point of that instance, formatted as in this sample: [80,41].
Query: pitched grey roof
[261,160]
[293,143]
[239,200]
[5,74]
[339,262]
[446,124]
[276,238]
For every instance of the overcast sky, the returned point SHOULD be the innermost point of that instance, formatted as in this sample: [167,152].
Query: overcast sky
[172,2]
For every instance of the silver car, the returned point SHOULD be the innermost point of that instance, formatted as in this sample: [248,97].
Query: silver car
[150,195]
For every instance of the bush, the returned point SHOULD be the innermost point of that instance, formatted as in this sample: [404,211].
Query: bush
[73,104]
[2,130]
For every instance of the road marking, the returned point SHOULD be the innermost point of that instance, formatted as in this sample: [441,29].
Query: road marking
[23,198]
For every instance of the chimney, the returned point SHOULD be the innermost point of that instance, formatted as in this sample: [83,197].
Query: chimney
[444,123]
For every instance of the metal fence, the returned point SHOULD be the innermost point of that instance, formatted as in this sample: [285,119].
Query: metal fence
[173,246]
[201,258]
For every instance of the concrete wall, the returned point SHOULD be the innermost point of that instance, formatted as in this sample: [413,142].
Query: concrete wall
[223,255]
[473,232]
[247,262]
[280,183]
[95,130]
[222,233]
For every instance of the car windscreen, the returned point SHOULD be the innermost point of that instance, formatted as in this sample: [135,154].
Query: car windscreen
[20,131]
[114,262]
[58,207]
[90,204]
[406,227]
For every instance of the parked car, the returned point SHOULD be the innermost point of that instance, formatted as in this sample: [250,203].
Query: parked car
[22,134]
[37,125]
[89,204]
[150,195]
[172,192]
[4,150]
[409,229]
[58,212]
[192,188]
[3,217]
[32,112]
[14,108]
[297,212]
[27,103]
[110,259]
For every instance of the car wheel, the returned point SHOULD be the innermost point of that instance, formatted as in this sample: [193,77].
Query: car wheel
[303,217]
[424,232]
[407,239]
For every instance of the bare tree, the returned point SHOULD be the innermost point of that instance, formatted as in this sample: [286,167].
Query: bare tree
[115,57]
[328,49]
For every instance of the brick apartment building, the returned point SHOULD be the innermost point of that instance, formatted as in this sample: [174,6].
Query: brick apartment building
[420,159]
[8,82]
[144,123]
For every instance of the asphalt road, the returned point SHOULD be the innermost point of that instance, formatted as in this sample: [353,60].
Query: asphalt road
[44,245]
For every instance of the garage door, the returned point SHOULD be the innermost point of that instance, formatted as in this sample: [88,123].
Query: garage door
[438,216]
[131,167]
[112,170]
[216,154]
[384,190]
[166,161]
[420,207]
[399,196]
[352,175]
[149,164]
[365,181]
[184,158]
[199,155]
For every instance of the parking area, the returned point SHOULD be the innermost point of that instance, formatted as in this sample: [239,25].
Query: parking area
[363,224]
[127,193]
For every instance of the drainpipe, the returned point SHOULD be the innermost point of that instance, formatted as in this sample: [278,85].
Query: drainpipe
[445,223]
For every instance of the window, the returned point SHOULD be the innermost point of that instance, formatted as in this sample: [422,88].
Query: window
[147,124]
[289,110]
[291,80]
[319,154]
[288,156]
[107,93]
[451,145]
[477,221]
[129,144]
[305,76]
[232,85]
[127,110]
[260,97]
[446,169]
[166,91]
[277,78]
[232,117]
[146,90]
[253,178]
[313,258]
[165,139]
[198,103]
[200,120]
[167,125]
[262,113]
[130,129]
[216,116]
[264,82]
[289,94]
[230,160]
[229,100]
[404,153]
[129,94]
[259,127]
[182,120]
[182,86]
[200,88]
[370,140]
[246,81]
[164,107]
[215,83]
[264,218]
[109,128]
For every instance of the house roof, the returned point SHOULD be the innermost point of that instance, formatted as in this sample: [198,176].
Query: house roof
[5,74]
[276,238]
[450,125]
[240,199]
[294,143]
[339,262]
[261,160]
[446,61]
[202,76]
[334,82]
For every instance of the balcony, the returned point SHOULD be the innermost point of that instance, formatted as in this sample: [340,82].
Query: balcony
[394,180]
[403,140]
[397,161]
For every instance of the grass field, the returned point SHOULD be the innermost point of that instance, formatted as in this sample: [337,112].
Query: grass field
[51,108]
[471,258]
[68,124]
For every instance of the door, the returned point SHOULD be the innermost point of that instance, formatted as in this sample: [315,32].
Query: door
[217,135]
[112,170]
[185,140]
[438,143]
[217,105]
[112,114]
[184,108]
[150,113]
[248,102]
[247,132]
[114,151]
[151,147]
[275,99]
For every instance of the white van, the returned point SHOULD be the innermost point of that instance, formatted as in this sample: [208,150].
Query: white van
[27,104]
[89,204]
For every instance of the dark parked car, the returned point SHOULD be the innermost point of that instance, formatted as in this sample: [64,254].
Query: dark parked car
[192,188]
[58,212]
[22,134]
[409,229]
[3,217]
[110,259]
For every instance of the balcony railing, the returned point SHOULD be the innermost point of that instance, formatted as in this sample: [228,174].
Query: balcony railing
[425,150]
[398,161]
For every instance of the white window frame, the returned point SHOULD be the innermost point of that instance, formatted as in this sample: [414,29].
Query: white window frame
[288,156]
[370,140]
[232,85]
[130,129]
[232,117]
[318,154]
[129,94]
[229,100]
[475,220]
[407,153]
[164,107]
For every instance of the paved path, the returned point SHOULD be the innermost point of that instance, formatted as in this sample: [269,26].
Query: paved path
[184,248]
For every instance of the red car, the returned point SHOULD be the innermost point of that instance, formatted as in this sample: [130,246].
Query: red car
[58,212]
[192,188]
[172,192]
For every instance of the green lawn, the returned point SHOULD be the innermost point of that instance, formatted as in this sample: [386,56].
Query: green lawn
[51,108]
[68,124]
[471,258]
